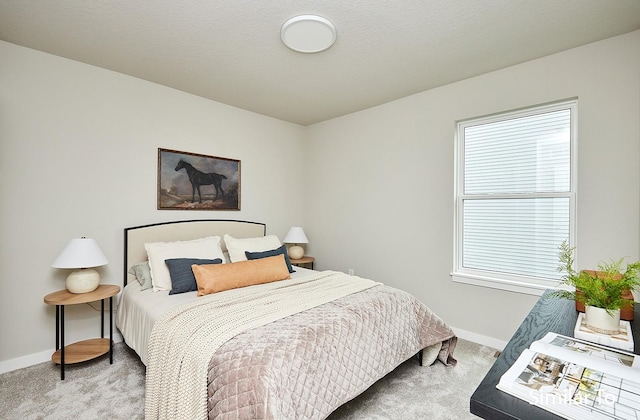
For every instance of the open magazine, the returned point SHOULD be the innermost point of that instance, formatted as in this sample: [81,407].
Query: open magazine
[576,379]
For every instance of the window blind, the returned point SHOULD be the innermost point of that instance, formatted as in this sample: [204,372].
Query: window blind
[515,198]
[523,155]
[515,236]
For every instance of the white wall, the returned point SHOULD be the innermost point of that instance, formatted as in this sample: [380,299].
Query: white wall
[78,156]
[381,200]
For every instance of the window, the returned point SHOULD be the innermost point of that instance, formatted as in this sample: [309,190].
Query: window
[515,197]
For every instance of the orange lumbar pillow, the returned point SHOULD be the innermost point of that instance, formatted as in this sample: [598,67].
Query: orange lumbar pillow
[213,278]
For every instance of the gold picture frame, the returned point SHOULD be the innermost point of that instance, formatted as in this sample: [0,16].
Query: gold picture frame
[192,181]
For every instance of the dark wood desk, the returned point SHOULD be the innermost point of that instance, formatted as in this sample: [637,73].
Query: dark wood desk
[548,314]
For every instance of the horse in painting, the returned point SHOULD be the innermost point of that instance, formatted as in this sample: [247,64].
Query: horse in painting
[198,178]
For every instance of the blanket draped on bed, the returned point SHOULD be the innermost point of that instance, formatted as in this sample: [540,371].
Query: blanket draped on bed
[184,339]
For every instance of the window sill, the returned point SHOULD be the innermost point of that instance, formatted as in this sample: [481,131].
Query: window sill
[516,286]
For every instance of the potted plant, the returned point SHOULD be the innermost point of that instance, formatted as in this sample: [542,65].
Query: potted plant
[603,292]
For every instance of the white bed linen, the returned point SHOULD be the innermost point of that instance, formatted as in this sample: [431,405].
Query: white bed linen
[139,309]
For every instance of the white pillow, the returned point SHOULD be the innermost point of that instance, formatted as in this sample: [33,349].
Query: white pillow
[237,247]
[159,251]
[430,354]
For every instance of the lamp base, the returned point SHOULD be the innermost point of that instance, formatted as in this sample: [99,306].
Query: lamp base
[296,252]
[83,281]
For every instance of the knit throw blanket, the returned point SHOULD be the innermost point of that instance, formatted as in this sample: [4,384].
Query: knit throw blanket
[185,338]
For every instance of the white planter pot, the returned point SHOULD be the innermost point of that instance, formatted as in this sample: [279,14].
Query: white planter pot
[600,321]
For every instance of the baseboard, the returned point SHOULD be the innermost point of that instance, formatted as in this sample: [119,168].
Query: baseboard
[45,356]
[37,358]
[480,339]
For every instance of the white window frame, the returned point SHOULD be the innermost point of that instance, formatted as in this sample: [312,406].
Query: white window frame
[503,281]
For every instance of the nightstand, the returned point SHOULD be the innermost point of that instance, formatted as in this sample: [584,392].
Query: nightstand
[86,349]
[305,262]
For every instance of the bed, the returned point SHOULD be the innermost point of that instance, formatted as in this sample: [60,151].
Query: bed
[294,348]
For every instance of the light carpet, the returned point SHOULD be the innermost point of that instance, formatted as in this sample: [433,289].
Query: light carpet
[97,390]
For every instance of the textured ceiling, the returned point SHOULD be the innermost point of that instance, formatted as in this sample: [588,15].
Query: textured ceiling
[230,50]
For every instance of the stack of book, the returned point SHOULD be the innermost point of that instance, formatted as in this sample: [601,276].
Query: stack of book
[623,339]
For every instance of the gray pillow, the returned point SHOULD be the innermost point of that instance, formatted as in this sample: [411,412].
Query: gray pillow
[271,253]
[142,274]
[182,278]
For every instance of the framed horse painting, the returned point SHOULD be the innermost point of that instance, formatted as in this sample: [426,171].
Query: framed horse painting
[190,181]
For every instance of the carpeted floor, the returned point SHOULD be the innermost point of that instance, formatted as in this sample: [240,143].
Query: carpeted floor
[97,390]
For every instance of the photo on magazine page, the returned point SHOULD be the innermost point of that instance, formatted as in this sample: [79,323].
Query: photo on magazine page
[593,350]
[574,391]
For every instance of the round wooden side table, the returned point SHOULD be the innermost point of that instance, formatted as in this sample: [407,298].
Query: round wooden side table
[82,351]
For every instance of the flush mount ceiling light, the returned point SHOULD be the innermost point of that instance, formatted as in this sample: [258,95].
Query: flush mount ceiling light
[308,33]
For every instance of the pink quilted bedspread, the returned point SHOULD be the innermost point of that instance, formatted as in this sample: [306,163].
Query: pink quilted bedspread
[307,365]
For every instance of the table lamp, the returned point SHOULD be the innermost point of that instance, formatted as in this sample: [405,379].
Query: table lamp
[296,236]
[82,254]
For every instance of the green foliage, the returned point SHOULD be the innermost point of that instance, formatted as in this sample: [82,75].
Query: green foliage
[604,288]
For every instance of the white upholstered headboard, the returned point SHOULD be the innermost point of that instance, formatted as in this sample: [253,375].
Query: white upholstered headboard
[135,237]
